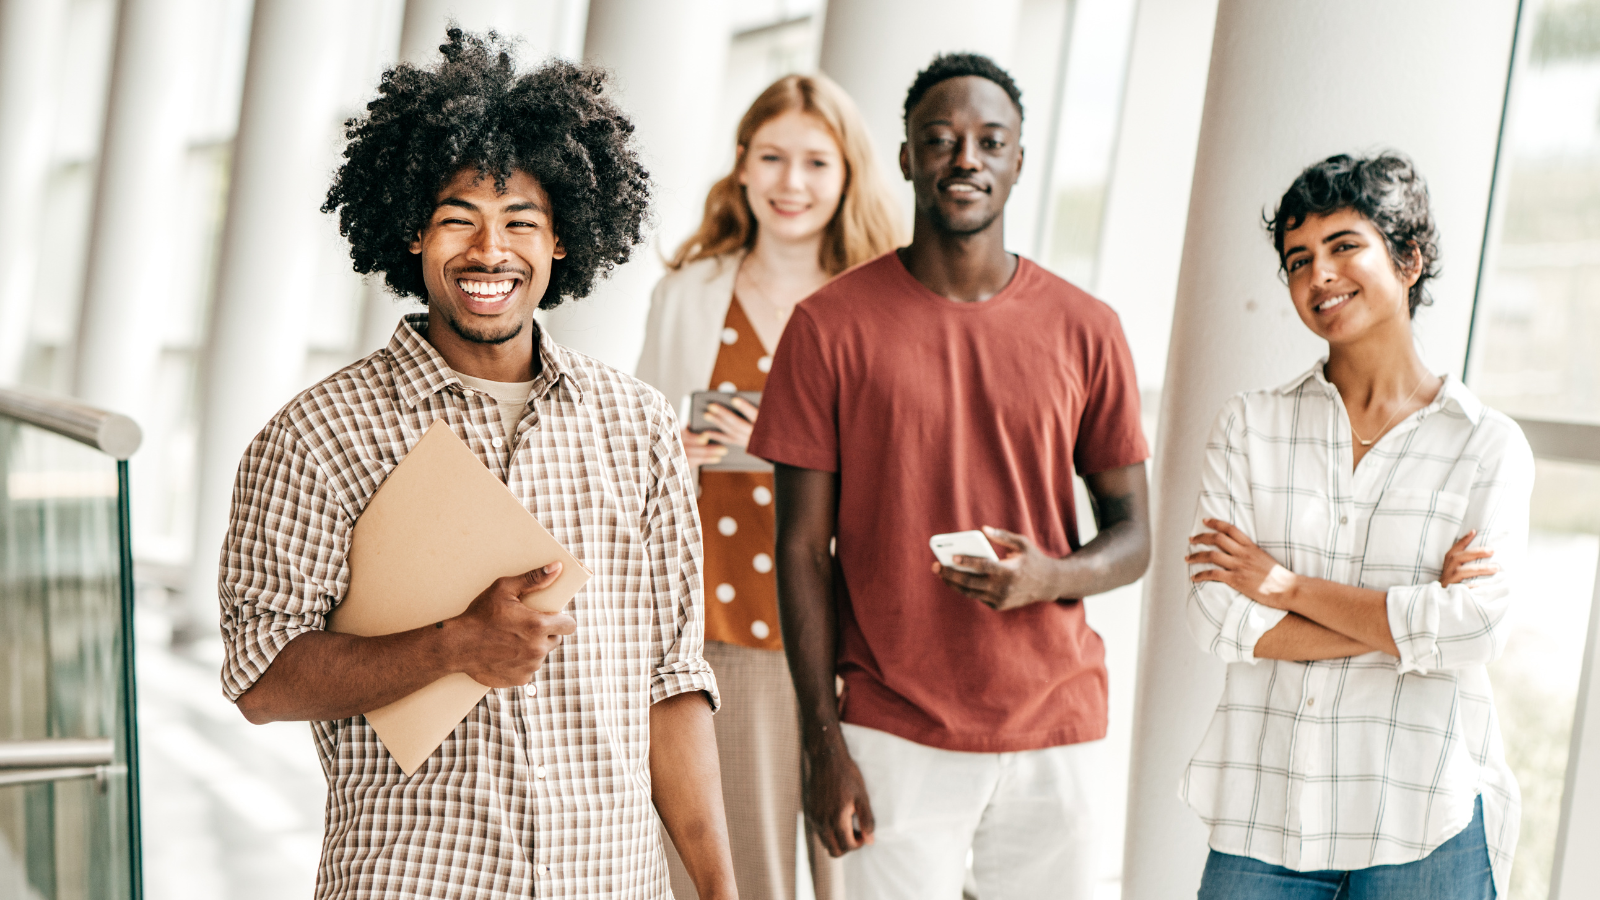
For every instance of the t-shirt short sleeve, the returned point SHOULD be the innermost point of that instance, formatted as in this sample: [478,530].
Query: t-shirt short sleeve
[798,425]
[1110,434]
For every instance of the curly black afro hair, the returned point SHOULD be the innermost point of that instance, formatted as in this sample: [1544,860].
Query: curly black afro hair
[554,123]
[946,66]
[1387,190]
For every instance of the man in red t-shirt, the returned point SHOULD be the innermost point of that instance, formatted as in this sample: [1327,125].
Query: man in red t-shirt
[943,387]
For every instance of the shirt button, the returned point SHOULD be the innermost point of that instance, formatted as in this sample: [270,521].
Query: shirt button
[1310,701]
[542,869]
[1344,520]
[498,443]
[540,771]
[533,690]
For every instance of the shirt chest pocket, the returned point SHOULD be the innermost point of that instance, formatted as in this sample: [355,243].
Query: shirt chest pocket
[1408,535]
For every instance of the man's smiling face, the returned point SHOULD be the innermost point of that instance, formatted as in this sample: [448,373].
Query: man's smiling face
[962,153]
[487,255]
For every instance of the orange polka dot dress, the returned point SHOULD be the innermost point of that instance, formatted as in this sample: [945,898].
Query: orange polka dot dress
[736,515]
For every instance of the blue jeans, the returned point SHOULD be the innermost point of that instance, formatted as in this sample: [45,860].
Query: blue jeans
[1457,870]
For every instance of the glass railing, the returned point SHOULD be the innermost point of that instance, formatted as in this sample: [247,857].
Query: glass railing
[69,802]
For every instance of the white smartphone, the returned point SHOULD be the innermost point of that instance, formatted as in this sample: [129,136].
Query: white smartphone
[946,547]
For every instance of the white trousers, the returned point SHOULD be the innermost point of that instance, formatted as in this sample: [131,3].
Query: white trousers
[1025,817]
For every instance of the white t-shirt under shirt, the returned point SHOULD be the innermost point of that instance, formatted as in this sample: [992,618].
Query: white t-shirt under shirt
[510,396]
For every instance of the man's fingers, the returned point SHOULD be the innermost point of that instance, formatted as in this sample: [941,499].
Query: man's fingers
[844,829]
[560,624]
[1006,538]
[541,577]
[745,407]
[1208,537]
[865,824]
[1210,575]
[1464,540]
[1469,555]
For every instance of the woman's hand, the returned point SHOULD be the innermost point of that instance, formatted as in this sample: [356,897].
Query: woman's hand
[1457,562]
[700,451]
[734,427]
[1241,565]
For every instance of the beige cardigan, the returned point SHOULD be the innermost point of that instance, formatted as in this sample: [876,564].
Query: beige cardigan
[684,331]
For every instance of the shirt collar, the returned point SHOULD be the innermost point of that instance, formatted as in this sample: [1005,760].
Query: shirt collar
[1452,393]
[420,372]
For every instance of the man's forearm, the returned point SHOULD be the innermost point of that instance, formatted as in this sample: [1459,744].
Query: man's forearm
[806,610]
[686,786]
[1117,556]
[322,675]
[1299,639]
[1120,552]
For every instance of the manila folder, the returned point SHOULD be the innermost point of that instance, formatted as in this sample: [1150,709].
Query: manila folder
[439,529]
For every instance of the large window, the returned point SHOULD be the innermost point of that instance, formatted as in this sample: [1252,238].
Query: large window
[1535,337]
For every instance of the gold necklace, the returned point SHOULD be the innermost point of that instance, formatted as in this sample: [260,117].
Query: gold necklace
[1385,428]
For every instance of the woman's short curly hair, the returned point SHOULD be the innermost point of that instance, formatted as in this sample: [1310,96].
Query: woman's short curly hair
[554,123]
[1387,191]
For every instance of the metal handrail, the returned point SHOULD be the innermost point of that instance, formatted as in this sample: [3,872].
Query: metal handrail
[56,753]
[9,777]
[1574,441]
[112,433]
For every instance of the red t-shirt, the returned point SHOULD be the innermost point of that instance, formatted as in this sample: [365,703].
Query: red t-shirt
[941,416]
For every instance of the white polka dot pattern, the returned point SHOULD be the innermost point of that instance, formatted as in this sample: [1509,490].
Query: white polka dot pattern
[725,593]
[760,629]
[727,526]
[762,495]
[763,563]
[729,336]
[764,364]
[727,387]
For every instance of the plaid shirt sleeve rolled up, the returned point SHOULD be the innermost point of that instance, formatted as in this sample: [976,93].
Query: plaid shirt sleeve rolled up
[1368,760]
[543,790]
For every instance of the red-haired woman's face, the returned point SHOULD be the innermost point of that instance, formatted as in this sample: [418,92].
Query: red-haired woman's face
[793,175]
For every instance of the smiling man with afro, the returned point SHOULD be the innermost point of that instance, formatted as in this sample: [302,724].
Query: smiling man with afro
[489,193]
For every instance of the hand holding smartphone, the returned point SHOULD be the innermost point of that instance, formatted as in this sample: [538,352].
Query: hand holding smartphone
[946,547]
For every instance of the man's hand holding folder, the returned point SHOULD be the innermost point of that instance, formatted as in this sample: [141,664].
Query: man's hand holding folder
[505,641]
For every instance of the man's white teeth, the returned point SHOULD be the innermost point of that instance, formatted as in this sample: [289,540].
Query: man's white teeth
[965,188]
[1331,302]
[486,288]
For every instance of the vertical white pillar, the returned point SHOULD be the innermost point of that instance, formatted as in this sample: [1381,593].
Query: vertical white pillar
[31,34]
[667,62]
[141,173]
[1147,200]
[1427,78]
[1577,868]
[284,155]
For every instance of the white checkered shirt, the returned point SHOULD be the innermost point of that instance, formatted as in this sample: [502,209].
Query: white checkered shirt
[542,791]
[1368,760]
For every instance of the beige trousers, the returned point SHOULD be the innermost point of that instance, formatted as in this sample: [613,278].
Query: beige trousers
[758,746]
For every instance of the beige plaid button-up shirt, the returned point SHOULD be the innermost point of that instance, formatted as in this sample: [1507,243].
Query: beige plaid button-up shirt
[542,791]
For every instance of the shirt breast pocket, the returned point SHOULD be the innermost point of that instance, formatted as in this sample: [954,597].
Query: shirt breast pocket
[1409,534]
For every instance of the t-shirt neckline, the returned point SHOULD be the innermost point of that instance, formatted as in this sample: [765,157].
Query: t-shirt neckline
[1001,298]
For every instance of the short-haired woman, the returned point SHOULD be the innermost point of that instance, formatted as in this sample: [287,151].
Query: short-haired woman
[804,202]
[1338,567]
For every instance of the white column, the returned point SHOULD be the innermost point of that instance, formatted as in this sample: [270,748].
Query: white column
[1147,200]
[31,34]
[284,153]
[1426,77]
[1577,867]
[874,50]
[667,62]
[142,152]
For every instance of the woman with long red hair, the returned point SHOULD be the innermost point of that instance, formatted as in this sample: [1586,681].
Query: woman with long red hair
[804,202]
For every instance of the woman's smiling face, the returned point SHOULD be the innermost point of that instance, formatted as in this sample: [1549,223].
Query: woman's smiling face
[1342,279]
